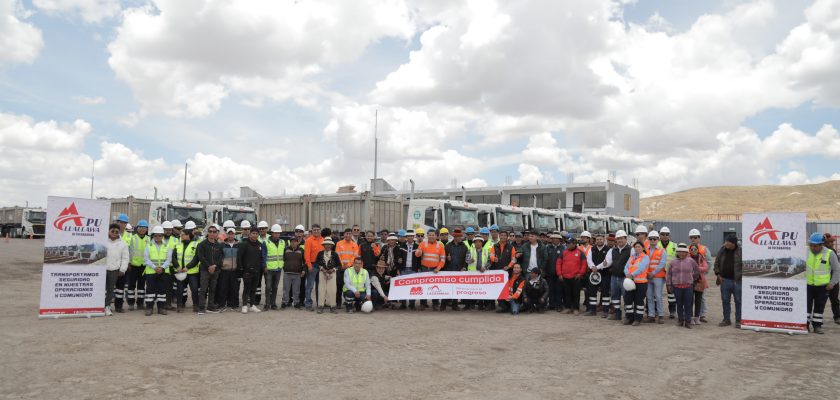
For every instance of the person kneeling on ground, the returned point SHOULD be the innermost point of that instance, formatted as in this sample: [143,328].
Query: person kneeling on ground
[381,282]
[356,286]
[536,292]
[514,298]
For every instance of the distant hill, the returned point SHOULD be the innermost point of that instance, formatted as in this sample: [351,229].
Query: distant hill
[820,201]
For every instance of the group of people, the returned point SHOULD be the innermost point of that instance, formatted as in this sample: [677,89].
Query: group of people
[319,271]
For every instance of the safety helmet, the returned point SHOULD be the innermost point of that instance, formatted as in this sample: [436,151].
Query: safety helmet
[157,230]
[421,231]
[494,227]
[477,238]
[444,230]
[620,233]
[653,234]
[586,234]
[180,276]
[228,224]
[665,230]
[190,225]
[142,223]
[484,231]
[166,225]
[245,224]
[401,233]
[177,224]
[595,278]
[300,228]
[123,218]
[629,285]
[262,224]
[128,227]
[816,238]
[641,229]
[693,232]
[367,306]
[470,231]
[276,228]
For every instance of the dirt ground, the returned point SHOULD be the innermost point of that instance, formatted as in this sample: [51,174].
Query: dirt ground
[391,354]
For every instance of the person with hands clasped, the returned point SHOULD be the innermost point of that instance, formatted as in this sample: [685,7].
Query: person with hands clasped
[570,269]
[637,270]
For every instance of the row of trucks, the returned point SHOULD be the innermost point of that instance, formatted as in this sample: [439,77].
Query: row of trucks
[158,211]
[23,222]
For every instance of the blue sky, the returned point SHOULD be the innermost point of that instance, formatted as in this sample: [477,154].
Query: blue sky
[458,87]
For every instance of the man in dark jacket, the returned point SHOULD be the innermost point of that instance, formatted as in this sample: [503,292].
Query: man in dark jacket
[249,263]
[728,268]
[210,253]
[554,251]
[533,253]
[369,251]
[536,292]
[456,260]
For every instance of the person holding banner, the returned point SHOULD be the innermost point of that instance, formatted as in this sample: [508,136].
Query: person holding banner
[116,265]
[157,258]
[680,277]
[356,286]
[728,269]
[637,270]
[822,273]
[136,250]
[517,286]
[432,258]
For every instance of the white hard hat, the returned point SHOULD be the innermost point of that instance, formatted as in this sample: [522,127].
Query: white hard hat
[693,232]
[180,276]
[367,306]
[653,234]
[664,230]
[586,234]
[262,224]
[229,224]
[276,228]
[189,225]
[620,233]
[245,224]
[167,225]
[157,230]
[177,224]
[300,228]
[128,227]
[641,229]
[629,285]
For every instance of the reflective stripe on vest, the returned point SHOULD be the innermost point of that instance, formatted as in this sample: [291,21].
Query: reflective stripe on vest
[485,259]
[655,259]
[634,265]
[186,256]
[157,255]
[431,259]
[274,254]
[137,249]
[818,268]
[586,249]
[671,251]
[126,238]
[357,279]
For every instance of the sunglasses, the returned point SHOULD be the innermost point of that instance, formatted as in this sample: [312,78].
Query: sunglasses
[694,237]
[212,231]
[665,234]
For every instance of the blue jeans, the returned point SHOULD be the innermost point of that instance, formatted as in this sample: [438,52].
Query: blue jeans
[654,297]
[311,277]
[514,307]
[730,288]
[616,294]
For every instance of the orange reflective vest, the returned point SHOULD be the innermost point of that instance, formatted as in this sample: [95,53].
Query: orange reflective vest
[433,255]
[655,259]
[585,249]
[347,253]
[634,265]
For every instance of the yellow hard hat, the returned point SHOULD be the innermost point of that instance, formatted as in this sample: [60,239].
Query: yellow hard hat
[420,231]
[444,230]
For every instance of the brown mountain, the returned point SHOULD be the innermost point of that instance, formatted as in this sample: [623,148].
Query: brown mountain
[821,202]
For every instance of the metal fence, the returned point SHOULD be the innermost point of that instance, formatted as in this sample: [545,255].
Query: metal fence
[713,233]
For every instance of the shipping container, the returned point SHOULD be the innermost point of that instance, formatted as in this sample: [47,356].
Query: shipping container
[135,208]
[287,212]
[336,212]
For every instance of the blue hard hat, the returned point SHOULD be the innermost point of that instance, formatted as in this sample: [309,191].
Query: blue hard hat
[123,218]
[470,231]
[143,224]
[816,238]
[484,231]
[401,233]
[494,227]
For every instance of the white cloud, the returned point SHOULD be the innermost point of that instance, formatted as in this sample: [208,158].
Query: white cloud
[20,41]
[91,11]
[89,100]
[181,62]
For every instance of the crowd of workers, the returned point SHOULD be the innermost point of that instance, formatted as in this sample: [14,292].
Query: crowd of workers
[320,270]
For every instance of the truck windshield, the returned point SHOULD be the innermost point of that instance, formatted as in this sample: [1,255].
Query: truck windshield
[510,220]
[616,225]
[573,224]
[461,217]
[185,214]
[545,222]
[596,225]
[238,216]
[38,217]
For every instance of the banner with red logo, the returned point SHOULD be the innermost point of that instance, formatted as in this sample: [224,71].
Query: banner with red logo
[489,285]
[75,250]
[773,287]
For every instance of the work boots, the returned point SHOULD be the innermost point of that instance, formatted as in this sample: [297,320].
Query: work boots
[150,310]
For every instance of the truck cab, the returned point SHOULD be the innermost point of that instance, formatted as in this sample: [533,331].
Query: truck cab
[435,214]
[219,213]
[507,218]
[574,223]
[34,222]
[596,224]
[542,220]
[160,211]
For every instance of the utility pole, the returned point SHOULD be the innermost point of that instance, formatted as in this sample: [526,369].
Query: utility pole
[186,165]
[92,171]
[375,149]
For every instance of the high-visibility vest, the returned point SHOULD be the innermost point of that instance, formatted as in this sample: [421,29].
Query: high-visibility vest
[670,251]
[634,265]
[655,259]
[818,268]
[157,255]
[346,253]
[137,248]
[185,255]
[432,254]
[172,242]
[586,249]
[126,238]
[485,259]
[702,250]
[357,279]
[274,254]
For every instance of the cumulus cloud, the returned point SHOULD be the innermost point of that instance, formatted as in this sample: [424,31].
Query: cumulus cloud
[91,11]
[20,41]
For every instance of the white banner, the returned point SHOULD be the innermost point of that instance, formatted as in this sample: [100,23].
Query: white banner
[73,281]
[773,287]
[489,285]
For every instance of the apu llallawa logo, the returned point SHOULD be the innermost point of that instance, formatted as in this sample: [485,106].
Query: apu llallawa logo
[765,235]
[69,220]
[416,291]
